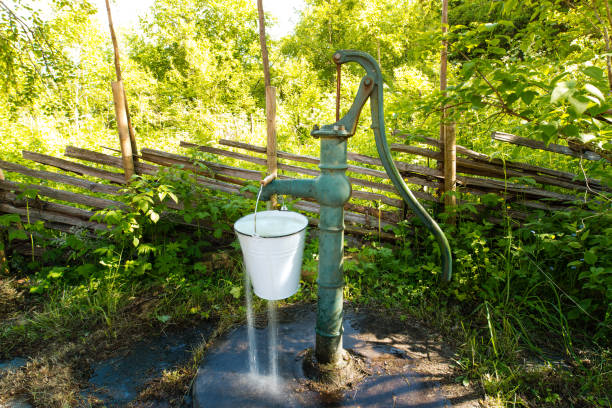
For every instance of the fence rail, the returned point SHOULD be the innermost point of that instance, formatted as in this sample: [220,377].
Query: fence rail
[374,203]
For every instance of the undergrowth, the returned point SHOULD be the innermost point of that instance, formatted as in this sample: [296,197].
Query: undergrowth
[528,307]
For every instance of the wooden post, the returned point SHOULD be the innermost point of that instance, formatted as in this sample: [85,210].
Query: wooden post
[119,78]
[450,168]
[270,100]
[3,262]
[124,134]
[447,131]
[271,129]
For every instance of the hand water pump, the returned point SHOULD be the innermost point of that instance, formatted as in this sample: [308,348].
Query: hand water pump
[332,189]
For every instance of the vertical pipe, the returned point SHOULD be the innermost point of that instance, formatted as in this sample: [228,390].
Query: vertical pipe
[328,344]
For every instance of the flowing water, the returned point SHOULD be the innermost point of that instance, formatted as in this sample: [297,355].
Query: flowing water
[272,379]
[254,369]
[272,341]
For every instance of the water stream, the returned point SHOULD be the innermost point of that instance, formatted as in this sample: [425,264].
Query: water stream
[271,379]
[272,341]
[253,368]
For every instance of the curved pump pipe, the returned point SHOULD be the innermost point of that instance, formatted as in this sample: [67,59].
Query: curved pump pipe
[372,86]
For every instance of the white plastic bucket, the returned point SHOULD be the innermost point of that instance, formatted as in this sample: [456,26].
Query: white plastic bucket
[272,244]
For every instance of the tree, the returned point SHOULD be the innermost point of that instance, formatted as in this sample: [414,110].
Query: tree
[32,56]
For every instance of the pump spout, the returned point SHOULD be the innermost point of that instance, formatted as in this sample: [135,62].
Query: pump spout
[372,86]
[295,188]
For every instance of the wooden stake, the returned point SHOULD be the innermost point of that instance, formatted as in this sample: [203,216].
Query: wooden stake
[450,169]
[119,78]
[447,131]
[262,42]
[443,71]
[124,133]
[271,129]
[3,262]
[270,101]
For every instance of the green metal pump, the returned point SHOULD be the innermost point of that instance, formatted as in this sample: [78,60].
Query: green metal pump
[332,189]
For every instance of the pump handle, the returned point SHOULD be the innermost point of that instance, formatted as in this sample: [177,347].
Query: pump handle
[372,86]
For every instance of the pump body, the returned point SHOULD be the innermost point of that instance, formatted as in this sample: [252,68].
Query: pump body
[332,189]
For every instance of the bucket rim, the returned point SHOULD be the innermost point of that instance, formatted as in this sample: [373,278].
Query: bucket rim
[275,236]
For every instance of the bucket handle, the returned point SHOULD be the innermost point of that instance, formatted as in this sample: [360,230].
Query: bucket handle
[283,208]
[261,186]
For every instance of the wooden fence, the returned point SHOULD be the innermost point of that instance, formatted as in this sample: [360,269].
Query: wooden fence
[374,204]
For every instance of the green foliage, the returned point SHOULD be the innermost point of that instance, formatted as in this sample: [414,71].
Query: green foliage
[193,70]
[542,286]
[32,53]
[169,225]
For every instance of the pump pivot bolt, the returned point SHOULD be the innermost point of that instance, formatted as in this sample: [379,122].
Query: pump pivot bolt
[337,57]
[367,82]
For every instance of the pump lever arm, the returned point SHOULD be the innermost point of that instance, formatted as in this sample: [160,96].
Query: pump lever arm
[372,86]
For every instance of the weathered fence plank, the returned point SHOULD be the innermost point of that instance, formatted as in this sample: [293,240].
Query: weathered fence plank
[62,195]
[563,175]
[74,167]
[536,144]
[60,178]
[493,169]
[35,214]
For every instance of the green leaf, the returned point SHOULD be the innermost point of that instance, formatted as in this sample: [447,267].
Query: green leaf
[468,69]
[135,241]
[164,318]
[592,89]
[590,257]
[562,90]
[497,50]
[56,272]
[8,219]
[593,99]
[570,130]
[235,291]
[594,72]
[580,104]
[154,216]
[528,96]
[16,234]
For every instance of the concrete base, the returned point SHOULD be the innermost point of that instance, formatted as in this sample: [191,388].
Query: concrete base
[404,369]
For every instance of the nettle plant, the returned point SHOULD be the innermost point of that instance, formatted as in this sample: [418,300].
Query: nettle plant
[169,223]
[160,235]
